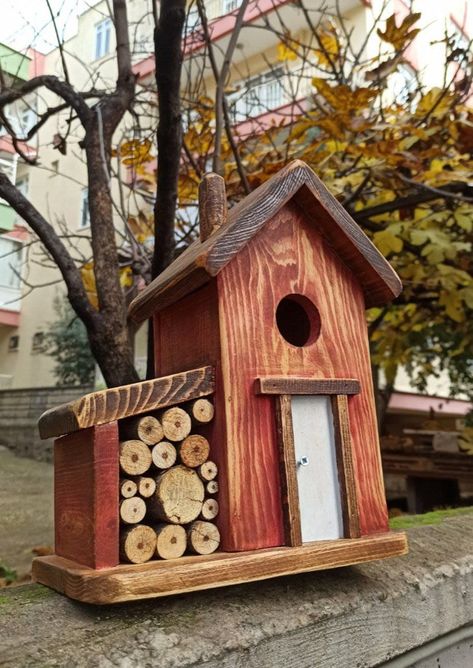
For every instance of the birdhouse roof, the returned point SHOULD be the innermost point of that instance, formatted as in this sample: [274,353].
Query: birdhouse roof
[203,260]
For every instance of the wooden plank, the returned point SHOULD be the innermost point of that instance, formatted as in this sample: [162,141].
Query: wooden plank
[120,402]
[86,479]
[435,465]
[288,471]
[297,181]
[298,385]
[250,289]
[194,573]
[346,471]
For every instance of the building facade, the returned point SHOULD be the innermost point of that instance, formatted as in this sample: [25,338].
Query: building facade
[261,91]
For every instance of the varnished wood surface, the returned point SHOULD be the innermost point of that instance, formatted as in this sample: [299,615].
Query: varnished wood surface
[296,182]
[346,471]
[120,402]
[291,385]
[86,482]
[193,573]
[288,471]
[289,256]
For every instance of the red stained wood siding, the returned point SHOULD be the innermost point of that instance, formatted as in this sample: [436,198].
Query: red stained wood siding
[289,256]
[187,333]
[86,496]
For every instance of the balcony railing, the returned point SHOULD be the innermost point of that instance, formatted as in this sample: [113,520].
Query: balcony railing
[269,91]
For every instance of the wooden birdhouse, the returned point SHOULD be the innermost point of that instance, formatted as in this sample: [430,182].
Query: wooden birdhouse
[262,321]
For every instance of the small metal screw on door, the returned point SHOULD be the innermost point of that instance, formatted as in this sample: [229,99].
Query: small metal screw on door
[303,461]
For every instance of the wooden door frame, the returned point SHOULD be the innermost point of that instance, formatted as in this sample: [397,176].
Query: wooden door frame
[339,390]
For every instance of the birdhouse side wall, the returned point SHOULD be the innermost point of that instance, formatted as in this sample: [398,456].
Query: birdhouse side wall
[186,336]
[288,256]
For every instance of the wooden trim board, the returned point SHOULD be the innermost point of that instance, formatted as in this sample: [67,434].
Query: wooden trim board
[297,385]
[288,471]
[346,472]
[119,402]
[193,573]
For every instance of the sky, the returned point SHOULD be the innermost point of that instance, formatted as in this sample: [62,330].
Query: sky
[28,22]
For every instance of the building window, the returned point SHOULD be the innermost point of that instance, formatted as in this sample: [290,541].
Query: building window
[37,343]
[22,185]
[192,20]
[84,210]
[13,343]
[103,31]
[230,5]
[259,95]
[10,263]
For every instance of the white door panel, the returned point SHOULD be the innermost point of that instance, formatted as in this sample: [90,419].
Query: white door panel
[317,477]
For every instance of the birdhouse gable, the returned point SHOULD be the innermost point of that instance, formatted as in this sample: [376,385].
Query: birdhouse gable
[224,236]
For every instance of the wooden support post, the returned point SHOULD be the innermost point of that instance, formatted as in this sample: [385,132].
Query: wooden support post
[346,473]
[287,458]
[86,496]
[212,204]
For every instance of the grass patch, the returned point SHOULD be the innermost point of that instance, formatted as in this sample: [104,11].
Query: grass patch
[434,517]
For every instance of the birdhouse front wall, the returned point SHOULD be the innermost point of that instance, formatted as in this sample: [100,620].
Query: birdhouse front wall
[289,257]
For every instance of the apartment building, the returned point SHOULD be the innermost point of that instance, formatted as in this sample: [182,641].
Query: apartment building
[261,87]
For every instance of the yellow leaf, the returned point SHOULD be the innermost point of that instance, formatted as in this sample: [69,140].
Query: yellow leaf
[464,218]
[400,36]
[387,242]
[329,46]
[436,103]
[126,277]
[88,279]
[287,50]
[453,305]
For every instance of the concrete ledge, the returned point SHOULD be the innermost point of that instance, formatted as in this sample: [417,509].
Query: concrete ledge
[351,617]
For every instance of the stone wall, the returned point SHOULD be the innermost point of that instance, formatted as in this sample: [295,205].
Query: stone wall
[356,617]
[19,413]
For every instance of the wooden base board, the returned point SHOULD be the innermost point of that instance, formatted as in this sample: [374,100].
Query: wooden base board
[163,578]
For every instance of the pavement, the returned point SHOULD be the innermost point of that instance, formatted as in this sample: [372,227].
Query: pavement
[26,510]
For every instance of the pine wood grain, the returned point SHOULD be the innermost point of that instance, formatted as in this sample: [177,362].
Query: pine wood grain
[288,256]
[120,402]
[288,471]
[193,573]
[346,471]
[86,482]
[296,182]
[291,385]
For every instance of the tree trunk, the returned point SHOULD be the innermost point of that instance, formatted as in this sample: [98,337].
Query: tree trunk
[168,58]
[109,340]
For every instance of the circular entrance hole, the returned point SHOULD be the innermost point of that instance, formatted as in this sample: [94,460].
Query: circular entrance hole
[298,320]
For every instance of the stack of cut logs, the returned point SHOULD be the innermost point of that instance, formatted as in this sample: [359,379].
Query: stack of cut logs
[168,485]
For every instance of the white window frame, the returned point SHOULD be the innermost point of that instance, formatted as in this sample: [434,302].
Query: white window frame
[84,221]
[11,278]
[103,38]
[192,20]
[230,6]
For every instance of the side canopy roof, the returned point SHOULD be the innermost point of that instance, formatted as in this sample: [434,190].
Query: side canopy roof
[203,260]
